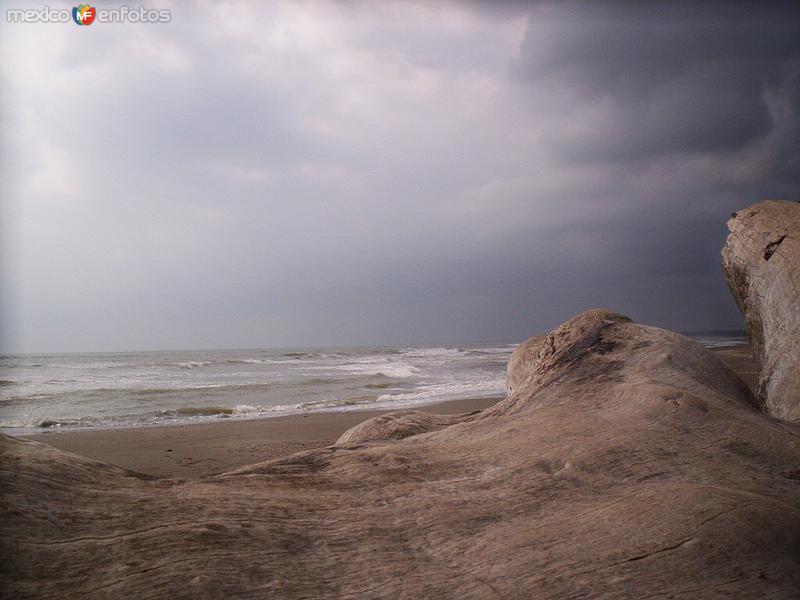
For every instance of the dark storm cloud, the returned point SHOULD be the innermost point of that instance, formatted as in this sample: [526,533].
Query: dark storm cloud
[665,77]
[338,173]
[690,108]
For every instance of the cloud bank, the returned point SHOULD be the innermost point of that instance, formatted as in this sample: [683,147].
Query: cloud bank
[384,173]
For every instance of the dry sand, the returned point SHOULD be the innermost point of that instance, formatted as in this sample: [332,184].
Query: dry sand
[741,360]
[200,449]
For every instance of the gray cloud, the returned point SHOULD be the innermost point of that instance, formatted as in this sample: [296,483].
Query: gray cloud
[671,77]
[340,173]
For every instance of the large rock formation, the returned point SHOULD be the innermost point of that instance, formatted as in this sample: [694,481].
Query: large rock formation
[761,260]
[628,462]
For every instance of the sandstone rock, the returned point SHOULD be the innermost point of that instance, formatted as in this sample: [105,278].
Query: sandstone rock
[761,260]
[523,354]
[396,426]
[628,462]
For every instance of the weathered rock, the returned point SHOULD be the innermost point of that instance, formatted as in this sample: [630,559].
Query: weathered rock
[761,260]
[628,463]
[522,356]
[397,425]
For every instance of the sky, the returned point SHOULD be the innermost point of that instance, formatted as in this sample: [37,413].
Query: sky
[282,174]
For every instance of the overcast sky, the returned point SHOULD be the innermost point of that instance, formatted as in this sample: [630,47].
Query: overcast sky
[307,174]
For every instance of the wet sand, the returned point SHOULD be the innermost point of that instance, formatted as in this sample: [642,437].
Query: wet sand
[188,451]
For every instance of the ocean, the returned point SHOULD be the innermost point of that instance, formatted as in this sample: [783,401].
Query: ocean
[130,389]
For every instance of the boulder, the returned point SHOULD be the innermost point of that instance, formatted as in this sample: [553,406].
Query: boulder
[761,261]
[627,462]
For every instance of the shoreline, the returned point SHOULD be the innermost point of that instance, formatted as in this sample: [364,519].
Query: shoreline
[227,418]
[190,450]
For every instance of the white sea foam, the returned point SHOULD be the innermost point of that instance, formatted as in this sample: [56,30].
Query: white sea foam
[446,391]
[378,366]
[194,364]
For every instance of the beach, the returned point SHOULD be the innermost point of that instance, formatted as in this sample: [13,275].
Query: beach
[196,450]
[202,449]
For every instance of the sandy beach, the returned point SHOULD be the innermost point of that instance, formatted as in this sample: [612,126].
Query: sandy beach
[188,451]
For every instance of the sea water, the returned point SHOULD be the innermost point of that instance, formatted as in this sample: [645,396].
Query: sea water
[61,391]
